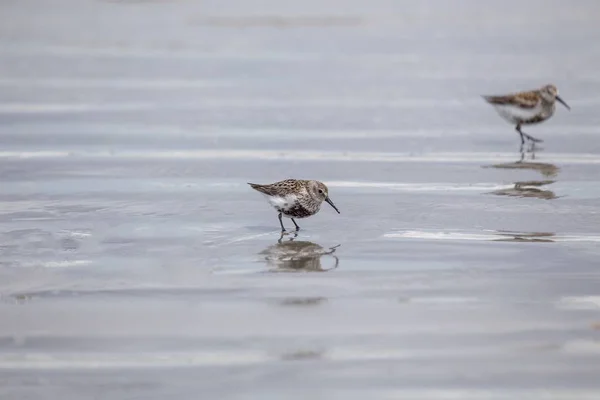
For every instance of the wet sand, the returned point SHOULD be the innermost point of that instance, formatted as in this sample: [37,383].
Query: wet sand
[135,262]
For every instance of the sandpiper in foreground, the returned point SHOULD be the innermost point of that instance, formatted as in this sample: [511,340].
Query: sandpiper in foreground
[527,108]
[295,198]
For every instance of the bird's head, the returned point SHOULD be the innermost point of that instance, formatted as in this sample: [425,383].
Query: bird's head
[318,191]
[550,94]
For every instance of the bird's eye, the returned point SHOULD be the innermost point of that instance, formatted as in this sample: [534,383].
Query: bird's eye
[321,191]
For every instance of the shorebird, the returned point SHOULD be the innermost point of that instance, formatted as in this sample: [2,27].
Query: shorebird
[527,108]
[295,198]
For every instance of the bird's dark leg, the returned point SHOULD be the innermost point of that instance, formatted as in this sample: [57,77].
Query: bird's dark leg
[281,223]
[297,227]
[518,129]
[526,136]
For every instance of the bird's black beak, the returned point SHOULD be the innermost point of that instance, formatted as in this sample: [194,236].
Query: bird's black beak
[327,199]
[561,101]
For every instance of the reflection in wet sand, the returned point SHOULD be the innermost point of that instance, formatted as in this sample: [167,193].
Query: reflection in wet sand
[492,236]
[291,256]
[546,169]
[303,301]
[528,188]
[525,237]
[303,355]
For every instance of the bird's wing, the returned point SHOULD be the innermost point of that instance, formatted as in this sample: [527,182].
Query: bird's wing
[523,100]
[281,188]
[266,189]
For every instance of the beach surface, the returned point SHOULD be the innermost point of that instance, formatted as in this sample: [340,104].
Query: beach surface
[136,263]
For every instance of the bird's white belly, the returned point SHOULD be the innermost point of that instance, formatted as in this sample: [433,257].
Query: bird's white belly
[281,203]
[516,115]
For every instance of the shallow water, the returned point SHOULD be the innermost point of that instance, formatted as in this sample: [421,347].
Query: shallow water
[135,262]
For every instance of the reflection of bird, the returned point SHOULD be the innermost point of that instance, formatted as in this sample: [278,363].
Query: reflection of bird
[528,189]
[298,256]
[294,198]
[546,169]
[527,108]
[545,237]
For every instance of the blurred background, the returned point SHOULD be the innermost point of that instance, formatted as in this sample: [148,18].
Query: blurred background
[135,262]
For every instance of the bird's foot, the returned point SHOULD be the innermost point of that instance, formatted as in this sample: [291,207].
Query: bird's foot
[532,139]
[292,235]
[533,146]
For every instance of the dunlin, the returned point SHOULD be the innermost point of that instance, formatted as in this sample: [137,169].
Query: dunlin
[527,108]
[295,198]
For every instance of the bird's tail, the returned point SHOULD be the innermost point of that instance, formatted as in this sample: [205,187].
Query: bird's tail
[259,188]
